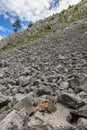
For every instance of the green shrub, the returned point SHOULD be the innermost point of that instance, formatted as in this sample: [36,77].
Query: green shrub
[48,27]
[83,27]
[30,25]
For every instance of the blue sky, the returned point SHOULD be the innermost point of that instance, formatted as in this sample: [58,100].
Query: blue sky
[28,11]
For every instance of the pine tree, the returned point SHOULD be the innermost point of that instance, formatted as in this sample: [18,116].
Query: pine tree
[17,25]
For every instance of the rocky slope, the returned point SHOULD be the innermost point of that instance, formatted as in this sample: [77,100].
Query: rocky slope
[43,84]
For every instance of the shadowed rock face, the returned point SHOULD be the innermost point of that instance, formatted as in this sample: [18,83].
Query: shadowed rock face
[71,100]
[3,100]
[46,83]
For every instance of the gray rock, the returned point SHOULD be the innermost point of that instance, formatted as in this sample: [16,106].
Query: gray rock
[4,63]
[51,78]
[23,81]
[3,100]
[37,82]
[14,120]
[10,81]
[14,90]
[64,85]
[81,111]
[48,122]
[53,99]
[83,94]
[70,100]
[1,75]
[26,103]
[75,84]
[2,88]
[21,90]
[19,96]
[70,90]
[84,87]
[43,90]
[63,112]
[82,124]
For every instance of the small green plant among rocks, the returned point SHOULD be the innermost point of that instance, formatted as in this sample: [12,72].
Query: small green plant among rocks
[48,27]
[83,27]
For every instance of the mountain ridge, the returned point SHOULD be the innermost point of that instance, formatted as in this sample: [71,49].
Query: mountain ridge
[51,24]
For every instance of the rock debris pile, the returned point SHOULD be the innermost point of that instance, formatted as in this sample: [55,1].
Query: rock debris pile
[43,84]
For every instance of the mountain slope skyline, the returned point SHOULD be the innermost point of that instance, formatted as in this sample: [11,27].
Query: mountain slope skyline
[28,11]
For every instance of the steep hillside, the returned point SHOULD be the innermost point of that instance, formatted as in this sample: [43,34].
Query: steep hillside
[43,84]
[43,77]
[49,25]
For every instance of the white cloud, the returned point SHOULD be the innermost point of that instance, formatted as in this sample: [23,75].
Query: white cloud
[1,37]
[65,3]
[32,10]
[2,29]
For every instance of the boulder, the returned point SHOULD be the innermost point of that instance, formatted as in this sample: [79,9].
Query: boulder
[14,120]
[48,122]
[27,103]
[82,112]
[63,112]
[70,100]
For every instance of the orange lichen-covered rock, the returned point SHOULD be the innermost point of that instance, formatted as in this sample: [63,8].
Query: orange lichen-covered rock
[47,106]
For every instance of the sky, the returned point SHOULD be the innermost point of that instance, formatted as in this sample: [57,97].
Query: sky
[28,11]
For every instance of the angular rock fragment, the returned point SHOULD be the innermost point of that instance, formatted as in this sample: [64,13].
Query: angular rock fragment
[82,112]
[14,120]
[64,85]
[75,84]
[44,91]
[10,81]
[48,122]
[51,78]
[47,106]
[63,112]
[2,88]
[83,94]
[23,81]
[1,75]
[4,63]
[70,100]
[26,103]
[82,124]
[19,96]
[3,100]
[36,82]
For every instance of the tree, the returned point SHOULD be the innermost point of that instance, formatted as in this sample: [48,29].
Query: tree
[17,25]
[30,25]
